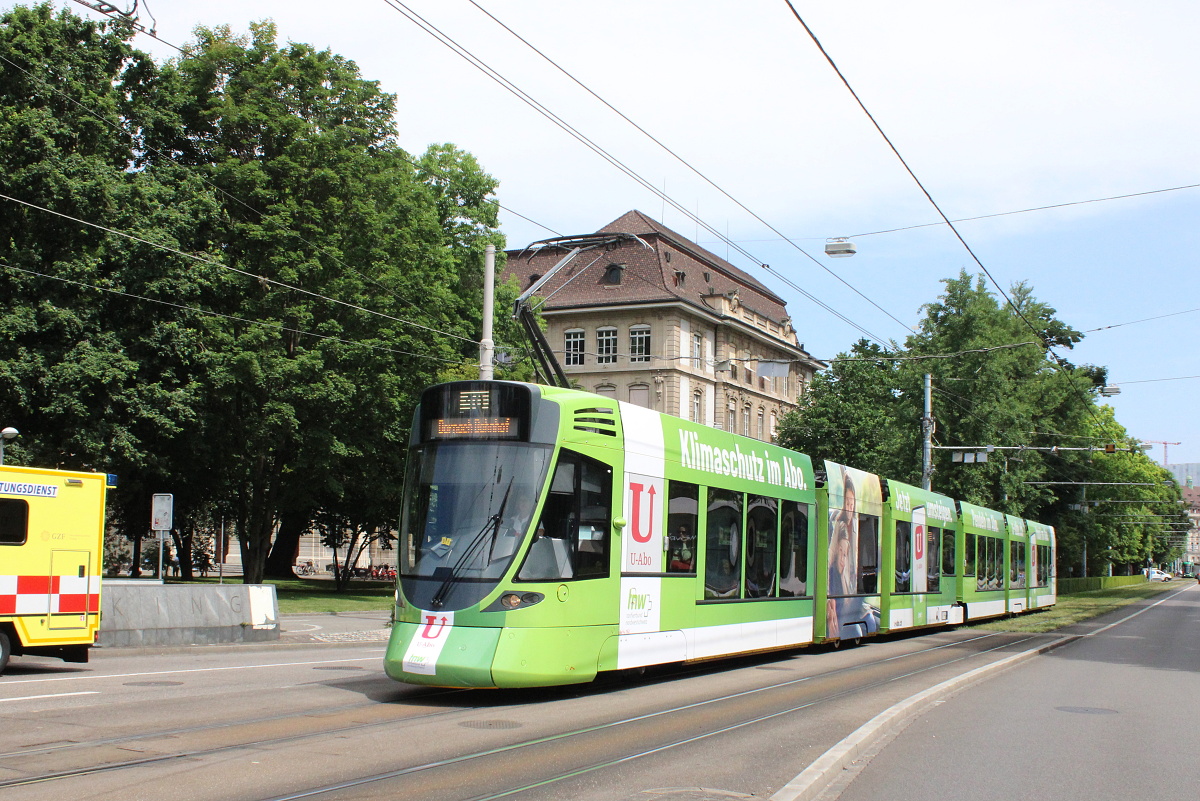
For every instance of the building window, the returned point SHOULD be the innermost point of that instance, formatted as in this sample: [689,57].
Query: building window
[697,406]
[760,423]
[639,343]
[774,425]
[612,274]
[607,390]
[606,346]
[697,351]
[746,420]
[639,395]
[732,417]
[574,347]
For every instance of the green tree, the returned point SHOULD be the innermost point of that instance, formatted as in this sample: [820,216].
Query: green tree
[318,195]
[853,414]
[995,383]
[296,278]
[95,376]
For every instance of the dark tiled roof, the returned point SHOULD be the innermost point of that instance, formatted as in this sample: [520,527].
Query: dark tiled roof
[1191,496]
[672,268]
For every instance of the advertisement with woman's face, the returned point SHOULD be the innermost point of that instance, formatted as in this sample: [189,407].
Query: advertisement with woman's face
[855,504]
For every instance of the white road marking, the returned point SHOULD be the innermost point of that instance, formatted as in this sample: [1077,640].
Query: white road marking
[9,682]
[52,695]
[1135,614]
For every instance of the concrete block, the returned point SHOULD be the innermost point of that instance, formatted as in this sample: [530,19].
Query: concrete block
[155,614]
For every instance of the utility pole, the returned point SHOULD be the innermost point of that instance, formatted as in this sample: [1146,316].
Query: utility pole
[927,432]
[1086,526]
[487,346]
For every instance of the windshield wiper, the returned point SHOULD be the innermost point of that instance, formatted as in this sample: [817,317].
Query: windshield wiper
[492,525]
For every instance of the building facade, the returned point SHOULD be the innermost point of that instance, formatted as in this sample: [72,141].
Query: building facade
[1191,549]
[658,321]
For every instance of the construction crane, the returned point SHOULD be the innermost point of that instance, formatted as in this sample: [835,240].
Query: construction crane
[1164,444]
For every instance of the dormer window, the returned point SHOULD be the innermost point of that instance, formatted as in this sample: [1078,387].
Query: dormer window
[612,274]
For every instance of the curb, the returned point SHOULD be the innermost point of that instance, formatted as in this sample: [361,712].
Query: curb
[821,773]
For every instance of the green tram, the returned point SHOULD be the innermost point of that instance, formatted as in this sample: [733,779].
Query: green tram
[549,534]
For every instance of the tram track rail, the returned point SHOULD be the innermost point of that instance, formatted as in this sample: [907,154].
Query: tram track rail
[695,724]
[581,770]
[59,749]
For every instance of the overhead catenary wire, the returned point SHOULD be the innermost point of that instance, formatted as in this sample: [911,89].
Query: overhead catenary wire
[235,318]
[238,201]
[247,273]
[509,86]
[689,165]
[1143,320]
[945,218]
[1001,213]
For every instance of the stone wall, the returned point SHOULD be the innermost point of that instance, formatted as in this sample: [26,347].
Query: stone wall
[146,614]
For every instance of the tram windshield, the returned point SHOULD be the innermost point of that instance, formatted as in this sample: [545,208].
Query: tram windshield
[467,507]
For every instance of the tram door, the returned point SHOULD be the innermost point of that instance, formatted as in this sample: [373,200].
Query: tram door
[909,604]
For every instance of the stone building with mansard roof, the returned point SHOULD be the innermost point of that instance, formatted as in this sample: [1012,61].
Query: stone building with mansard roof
[659,321]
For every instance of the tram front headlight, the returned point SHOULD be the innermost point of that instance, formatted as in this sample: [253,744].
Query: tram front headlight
[515,600]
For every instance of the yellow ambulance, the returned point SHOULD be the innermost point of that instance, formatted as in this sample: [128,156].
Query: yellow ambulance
[51,549]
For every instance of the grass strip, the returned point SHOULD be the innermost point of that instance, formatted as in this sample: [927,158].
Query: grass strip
[1071,609]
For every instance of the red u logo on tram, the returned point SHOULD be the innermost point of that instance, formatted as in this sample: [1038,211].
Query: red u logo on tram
[430,632]
[639,535]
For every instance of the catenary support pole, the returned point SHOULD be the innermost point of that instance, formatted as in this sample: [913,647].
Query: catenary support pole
[927,433]
[487,345]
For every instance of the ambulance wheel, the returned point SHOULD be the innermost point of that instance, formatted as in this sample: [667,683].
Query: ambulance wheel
[5,650]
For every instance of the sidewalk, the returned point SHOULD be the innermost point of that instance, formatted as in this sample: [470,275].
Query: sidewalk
[343,627]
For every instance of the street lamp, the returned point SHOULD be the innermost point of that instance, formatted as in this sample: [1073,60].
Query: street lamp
[839,247]
[7,434]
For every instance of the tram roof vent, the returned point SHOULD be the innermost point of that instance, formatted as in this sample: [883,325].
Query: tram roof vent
[596,421]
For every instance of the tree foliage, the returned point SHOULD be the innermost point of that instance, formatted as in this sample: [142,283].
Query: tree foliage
[995,383]
[277,282]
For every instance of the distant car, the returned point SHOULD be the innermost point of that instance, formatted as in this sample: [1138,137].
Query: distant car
[1154,574]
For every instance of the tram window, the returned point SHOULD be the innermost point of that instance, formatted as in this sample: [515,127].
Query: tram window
[762,532]
[903,556]
[933,562]
[1002,579]
[1017,569]
[722,544]
[947,552]
[990,564]
[793,550]
[868,554]
[997,564]
[984,566]
[683,516]
[572,539]
[14,521]
[968,554]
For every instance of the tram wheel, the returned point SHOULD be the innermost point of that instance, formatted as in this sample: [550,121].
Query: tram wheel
[5,650]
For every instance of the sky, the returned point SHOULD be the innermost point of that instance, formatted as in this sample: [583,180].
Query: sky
[995,107]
